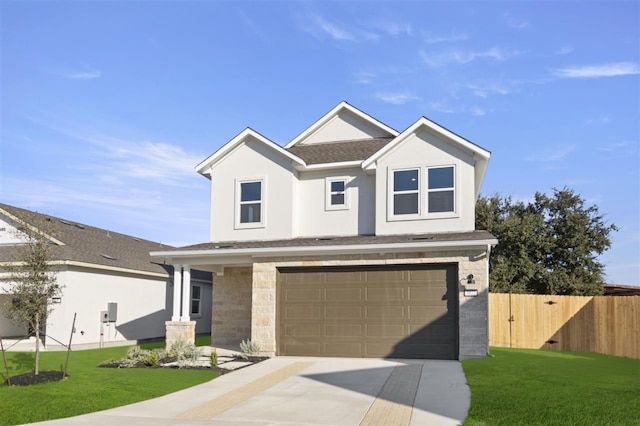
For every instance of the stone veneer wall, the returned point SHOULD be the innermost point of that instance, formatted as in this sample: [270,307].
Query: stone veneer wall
[473,312]
[231,313]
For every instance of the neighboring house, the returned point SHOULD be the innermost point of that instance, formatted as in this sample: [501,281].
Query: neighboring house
[352,240]
[99,270]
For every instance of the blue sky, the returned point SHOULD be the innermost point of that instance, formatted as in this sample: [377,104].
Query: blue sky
[106,107]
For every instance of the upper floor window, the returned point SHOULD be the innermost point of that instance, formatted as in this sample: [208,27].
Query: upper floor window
[250,201]
[406,194]
[441,190]
[422,192]
[336,194]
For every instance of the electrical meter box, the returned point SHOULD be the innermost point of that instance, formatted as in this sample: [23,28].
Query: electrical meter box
[112,311]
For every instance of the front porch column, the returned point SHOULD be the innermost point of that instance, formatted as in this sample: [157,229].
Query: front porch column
[177,285]
[186,293]
[180,328]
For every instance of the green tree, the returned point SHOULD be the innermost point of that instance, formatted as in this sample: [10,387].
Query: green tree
[546,246]
[32,281]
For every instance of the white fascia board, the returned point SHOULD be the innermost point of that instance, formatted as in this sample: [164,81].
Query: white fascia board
[369,163]
[31,227]
[217,156]
[329,166]
[245,256]
[334,112]
[94,266]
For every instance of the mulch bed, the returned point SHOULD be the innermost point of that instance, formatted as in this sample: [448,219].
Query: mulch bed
[33,379]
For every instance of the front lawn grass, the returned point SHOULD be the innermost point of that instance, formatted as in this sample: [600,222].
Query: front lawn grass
[536,387]
[88,388]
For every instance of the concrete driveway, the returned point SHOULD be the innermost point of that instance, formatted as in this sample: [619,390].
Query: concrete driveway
[309,391]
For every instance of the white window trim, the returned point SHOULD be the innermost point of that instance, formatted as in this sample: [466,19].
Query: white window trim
[199,313]
[238,189]
[327,193]
[423,193]
[390,194]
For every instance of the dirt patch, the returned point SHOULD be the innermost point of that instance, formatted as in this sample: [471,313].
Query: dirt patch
[33,379]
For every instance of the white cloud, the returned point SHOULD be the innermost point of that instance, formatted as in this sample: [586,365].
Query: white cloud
[392,28]
[477,111]
[565,50]
[84,73]
[613,147]
[251,25]
[552,156]
[465,57]
[518,24]
[333,30]
[486,90]
[442,107]
[596,71]
[397,98]
[364,77]
[433,39]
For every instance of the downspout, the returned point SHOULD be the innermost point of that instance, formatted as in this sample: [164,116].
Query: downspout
[488,325]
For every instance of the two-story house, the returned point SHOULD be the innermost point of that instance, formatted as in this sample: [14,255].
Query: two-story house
[352,240]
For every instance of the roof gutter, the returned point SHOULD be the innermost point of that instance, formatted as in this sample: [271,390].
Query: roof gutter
[256,252]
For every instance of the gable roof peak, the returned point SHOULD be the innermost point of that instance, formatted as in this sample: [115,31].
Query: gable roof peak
[366,126]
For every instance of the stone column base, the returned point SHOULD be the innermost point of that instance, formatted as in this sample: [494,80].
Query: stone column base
[180,331]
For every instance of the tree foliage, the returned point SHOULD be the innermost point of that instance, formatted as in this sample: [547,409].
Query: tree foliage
[546,246]
[32,281]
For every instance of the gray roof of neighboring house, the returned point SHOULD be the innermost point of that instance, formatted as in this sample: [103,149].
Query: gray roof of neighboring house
[344,241]
[88,244]
[335,152]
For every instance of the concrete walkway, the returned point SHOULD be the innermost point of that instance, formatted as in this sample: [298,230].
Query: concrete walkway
[287,391]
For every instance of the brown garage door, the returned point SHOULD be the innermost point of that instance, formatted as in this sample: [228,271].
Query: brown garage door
[403,311]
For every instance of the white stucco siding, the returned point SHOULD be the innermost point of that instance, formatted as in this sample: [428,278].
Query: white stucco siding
[342,127]
[315,219]
[252,160]
[142,307]
[424,150]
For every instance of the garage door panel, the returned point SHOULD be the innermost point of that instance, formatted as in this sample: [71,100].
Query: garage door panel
[385,276]
[343,349]
[426,313]
[303,295]
[425,292]
[302,313]
[344,330]
[405,311]
[344,312]
[345,277]
[428,276]
[395,331]
[340,294]
[386,293]
[301,348]
[382,312]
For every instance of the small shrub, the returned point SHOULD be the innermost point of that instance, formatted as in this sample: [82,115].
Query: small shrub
[249,348]
[214,358]
[188,355]
[151,358]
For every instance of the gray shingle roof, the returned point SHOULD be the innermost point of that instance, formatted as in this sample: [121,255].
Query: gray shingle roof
[88,244]
[344,241]
[336,152]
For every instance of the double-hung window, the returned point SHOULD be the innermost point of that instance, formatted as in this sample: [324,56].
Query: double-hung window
[406,192]
[440,189]
[336,194]
[251,200]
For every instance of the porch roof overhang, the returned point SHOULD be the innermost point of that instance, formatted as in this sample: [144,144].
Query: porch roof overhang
[246,252]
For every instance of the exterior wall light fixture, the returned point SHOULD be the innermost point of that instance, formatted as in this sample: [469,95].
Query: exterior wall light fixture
[470,279]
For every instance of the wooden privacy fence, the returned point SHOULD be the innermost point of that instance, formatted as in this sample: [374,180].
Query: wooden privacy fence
[603,324]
